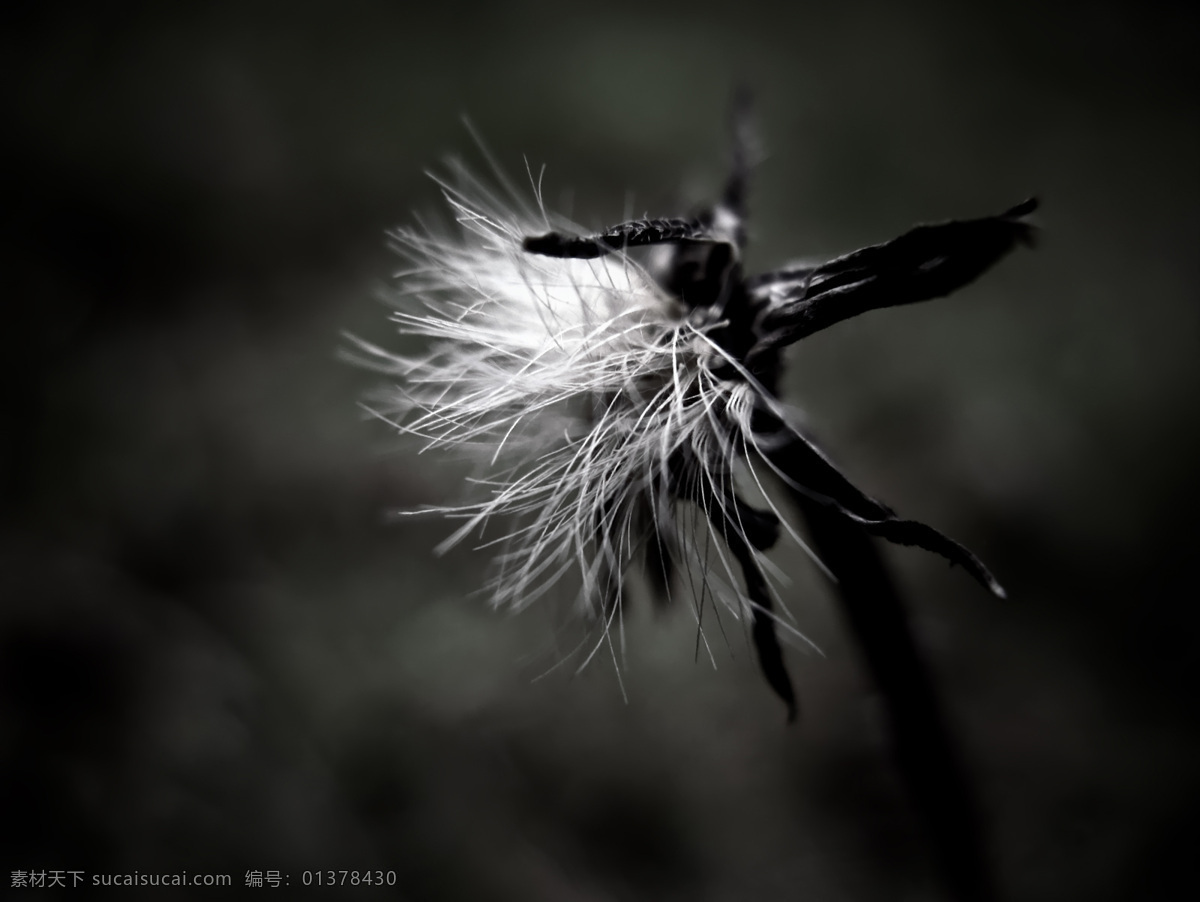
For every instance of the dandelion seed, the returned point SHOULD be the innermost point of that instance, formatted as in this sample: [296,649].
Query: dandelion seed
[617,388]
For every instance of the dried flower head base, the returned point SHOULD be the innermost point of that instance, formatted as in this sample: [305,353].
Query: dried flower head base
[617,389]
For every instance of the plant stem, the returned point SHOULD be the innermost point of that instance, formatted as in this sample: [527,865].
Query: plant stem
[921,740]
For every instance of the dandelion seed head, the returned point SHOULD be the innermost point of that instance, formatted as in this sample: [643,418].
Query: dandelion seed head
[616,392]
[574,386]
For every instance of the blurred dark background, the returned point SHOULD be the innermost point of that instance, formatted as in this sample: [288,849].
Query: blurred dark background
[217,654]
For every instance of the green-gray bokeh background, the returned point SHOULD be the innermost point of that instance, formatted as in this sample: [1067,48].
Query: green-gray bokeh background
[217,655]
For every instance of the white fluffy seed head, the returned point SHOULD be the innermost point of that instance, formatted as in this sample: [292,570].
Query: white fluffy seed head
[576,386]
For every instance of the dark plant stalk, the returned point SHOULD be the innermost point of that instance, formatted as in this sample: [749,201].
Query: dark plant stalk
[842,522]
[922,744]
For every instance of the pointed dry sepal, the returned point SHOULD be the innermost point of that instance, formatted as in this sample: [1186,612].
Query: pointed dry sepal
[745,529]
[809,474]
[762,629]
[926,262]
[635,233]
[744,153]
